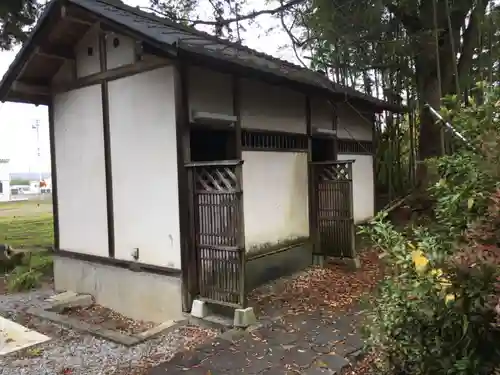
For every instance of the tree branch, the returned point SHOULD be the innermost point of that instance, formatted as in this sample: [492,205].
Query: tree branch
[410,21]
[251,15]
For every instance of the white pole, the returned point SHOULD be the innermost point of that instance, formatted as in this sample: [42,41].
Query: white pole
[36,127]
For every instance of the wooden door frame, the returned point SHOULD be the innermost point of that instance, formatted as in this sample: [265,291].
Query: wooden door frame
[189,271]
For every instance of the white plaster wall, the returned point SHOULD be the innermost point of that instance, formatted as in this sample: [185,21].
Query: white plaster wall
[270,107]
[118,56]
[81,179]
[87,64]
[144,166]
[65,74]
[363,193]
[210,91]
[263,106]
[353,124]
[321,114]
[275,197]
[123,54]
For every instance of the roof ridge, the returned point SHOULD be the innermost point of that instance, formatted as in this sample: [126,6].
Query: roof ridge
[153,16]
[119,4]
[323,80]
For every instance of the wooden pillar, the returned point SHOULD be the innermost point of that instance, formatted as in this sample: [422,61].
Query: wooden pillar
[310,180]
[107,146]
[374,161]
[335,125]
[53,169]
[188,258]
[236,95]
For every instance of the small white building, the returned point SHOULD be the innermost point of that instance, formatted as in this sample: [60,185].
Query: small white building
[4,180]
[246,159]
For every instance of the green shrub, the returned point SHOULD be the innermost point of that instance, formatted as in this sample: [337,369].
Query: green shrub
[30,272]
[23,278]
[436,310]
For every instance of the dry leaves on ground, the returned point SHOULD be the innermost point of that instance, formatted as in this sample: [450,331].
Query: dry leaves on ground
[363,367]
[331,287]
[194,336]
[107,318]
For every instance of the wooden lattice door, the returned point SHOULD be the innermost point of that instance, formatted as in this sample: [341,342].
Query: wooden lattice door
[333,209]
[217,230]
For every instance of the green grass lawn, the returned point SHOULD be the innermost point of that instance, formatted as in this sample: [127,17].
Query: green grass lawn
[26,224]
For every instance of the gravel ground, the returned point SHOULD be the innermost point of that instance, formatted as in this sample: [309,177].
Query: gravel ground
[75,353]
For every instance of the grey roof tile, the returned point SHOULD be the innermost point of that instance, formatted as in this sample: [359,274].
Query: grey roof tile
[168,34]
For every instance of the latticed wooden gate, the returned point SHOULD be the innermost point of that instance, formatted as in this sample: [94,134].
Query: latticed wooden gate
[333,208]
[217,231]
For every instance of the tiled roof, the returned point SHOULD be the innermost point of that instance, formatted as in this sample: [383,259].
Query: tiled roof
[169,33]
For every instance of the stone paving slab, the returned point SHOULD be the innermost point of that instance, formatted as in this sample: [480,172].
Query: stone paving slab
[312,343]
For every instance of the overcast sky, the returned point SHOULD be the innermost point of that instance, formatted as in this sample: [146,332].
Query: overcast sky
[18,141]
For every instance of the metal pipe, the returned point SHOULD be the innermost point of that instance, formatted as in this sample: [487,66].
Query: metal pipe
[448,126]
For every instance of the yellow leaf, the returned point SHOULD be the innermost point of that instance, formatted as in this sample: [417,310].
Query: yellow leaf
[444,282]
[449,298]
[321,364]
[438,272]
[470,203]
[419,260]
[34,352]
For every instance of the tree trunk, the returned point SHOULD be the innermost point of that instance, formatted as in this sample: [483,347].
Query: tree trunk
[430,131]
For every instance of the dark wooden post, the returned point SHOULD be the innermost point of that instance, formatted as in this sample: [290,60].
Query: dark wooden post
[188,260]
[310,180]
[107,146]
[53,169]
[335,126]
[374,161]
[236,94]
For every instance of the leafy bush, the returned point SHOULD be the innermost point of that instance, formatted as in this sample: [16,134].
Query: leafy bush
[23,278]
[30,272]
[436,311]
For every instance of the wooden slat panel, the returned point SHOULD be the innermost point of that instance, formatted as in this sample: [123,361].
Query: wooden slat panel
[334,213]
[217,213]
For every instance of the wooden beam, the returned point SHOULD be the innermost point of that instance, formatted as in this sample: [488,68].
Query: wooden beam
[335,128]
[310,179]
[110,75]
[65,16]
[25,88]
[60,53]
[53,172]
[107,147]
[322,131]
[236,94]
[189,285]
[39,35]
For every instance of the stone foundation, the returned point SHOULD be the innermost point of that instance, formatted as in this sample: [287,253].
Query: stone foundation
[268,267]
[138,295]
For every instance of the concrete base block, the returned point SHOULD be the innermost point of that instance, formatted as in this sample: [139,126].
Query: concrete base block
[137,295]
[78,300]
[319,260]
[61,296]
[199,309]
[353,263]
[244,317]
